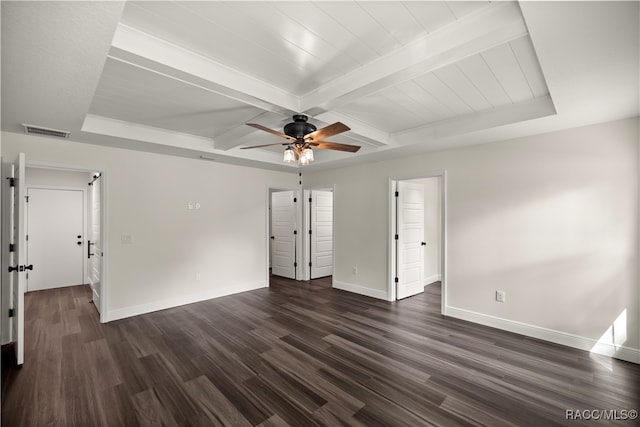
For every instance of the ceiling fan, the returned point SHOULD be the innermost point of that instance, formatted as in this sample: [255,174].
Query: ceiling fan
[303,135]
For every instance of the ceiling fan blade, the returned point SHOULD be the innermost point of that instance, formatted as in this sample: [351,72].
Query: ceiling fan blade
[327,131]
[265,145]
[326,145]
[271,131]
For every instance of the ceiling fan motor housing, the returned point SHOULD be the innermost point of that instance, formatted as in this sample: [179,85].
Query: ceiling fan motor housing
[299,127]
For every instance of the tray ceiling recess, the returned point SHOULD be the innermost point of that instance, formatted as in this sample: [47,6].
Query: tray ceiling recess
[193,74]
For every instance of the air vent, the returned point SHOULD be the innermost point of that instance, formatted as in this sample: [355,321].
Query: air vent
[37,130]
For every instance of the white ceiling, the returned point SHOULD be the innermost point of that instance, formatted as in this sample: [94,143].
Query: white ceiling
[184,78]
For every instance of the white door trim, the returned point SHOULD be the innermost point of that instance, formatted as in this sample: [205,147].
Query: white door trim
[298,240]
[104,297]
[391,289]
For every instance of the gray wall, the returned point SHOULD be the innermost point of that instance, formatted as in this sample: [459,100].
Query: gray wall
[551,219]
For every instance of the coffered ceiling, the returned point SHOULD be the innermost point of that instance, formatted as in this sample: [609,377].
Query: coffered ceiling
[184,78]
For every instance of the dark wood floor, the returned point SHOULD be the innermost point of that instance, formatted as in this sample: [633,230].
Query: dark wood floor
[300,354]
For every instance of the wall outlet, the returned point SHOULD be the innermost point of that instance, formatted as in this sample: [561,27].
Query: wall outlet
[198,277]
[197,205]
[355,269]
[126,239]
[190,206]
[501,296]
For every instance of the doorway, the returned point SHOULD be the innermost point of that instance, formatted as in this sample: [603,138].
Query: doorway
[284,244]
[319,224]
[417,238]
[55,237]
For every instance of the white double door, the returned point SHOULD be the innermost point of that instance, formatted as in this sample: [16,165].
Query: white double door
[55,238]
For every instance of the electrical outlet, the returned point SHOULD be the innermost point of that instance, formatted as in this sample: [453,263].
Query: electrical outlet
[190,206]
[355,269]
[197,205]
[501,296]
[126,239]
[198,277]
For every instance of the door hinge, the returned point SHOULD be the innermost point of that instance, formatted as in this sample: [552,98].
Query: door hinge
[309,231]
[12,182]
[396,280]
[309,263]
[12,247]
[295,264]
[397,193]
[295,231]
[396,237]
[26,237]
[26,198]
[12,312]
[309,199]
[295,200]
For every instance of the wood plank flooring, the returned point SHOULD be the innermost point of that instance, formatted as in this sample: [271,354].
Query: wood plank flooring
[298,354]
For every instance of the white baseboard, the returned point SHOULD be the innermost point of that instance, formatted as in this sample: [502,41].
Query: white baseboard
[582,343]
[431,279]
[361,290]
[136,310]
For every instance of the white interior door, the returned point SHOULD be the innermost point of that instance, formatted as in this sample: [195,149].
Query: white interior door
[94,250]
[55,244]
[283,227]
[410,231]
[17,257]
[321,233]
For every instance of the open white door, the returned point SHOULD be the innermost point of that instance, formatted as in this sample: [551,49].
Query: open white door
[94,242]
[410,218]
[321,233]
[283,229]
[17,257]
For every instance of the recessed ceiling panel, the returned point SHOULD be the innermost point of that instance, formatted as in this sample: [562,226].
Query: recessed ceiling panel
[133,94]
[503,75]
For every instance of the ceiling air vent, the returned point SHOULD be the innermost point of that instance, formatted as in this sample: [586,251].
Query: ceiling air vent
[38,130]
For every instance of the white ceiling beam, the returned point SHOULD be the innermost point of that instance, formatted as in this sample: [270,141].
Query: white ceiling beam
[505,115]
[140,48]
[163,137]
[494,25]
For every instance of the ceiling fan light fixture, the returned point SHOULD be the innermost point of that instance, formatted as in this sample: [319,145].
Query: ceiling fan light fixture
[307,154]
[289,155]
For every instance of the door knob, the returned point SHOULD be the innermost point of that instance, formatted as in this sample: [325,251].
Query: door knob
[424,243]
[273,238]
[28,267]
[79,243]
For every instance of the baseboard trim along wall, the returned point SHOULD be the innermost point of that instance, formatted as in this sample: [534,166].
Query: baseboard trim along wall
[137,310]
[361,290]
[582,343]
[432,279]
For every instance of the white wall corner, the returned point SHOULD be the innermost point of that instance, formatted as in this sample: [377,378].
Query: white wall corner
[137,310]
[361,290]
[431,279]
[582,343]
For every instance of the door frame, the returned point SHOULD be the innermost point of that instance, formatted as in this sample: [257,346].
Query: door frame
[306,223]
[298,239]
[104,227]
[391,288]
[85,276]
